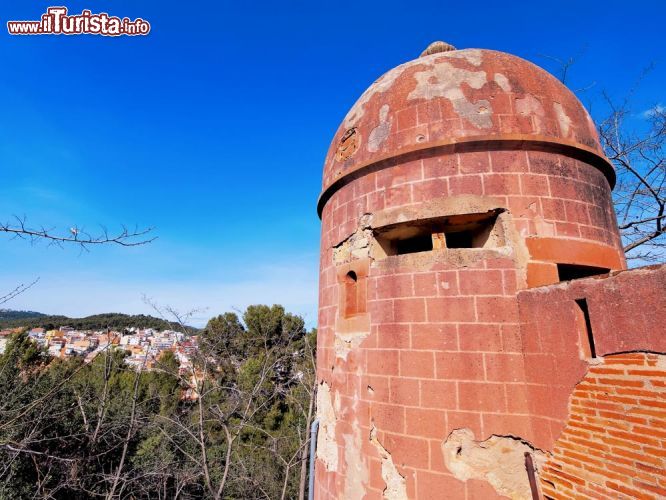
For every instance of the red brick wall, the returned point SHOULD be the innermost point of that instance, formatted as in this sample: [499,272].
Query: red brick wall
[444,344]
[444,349]
[614,442]
[626,314]
[544,191]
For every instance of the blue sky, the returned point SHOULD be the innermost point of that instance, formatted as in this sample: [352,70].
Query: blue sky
[214,128]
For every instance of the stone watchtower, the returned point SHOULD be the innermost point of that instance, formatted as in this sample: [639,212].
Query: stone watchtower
[455,181]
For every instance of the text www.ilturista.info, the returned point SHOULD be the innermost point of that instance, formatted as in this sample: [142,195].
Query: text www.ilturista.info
[56,22]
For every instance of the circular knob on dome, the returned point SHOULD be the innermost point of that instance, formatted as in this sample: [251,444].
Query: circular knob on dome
[436,48]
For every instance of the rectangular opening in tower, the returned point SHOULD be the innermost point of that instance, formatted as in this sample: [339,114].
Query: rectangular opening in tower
[567,272]
[415,244]
[462,239]
[585,329]
[476,230]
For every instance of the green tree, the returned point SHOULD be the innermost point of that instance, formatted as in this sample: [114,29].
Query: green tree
[235,426]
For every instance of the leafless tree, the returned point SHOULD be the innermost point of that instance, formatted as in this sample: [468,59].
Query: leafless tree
[638,154]
[131,430]
[309,385]
[565,65]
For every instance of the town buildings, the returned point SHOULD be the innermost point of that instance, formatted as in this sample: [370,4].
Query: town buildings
[144,346]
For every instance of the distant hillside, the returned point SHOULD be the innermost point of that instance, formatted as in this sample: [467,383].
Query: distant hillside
[8,314]
[116,321]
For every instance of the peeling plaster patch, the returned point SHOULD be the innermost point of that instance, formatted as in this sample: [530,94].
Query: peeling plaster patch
[472,56]
[446,82]
[356,475]
[337,403]
[386,81]
[503,82]
[531,106]
[346,342]
[381,131]
[543,228]
[563,119]
[396,486]
[327,448]
[357,245]
[383,84]
[499,460]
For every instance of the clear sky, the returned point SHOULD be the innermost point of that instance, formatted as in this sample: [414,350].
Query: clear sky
[214,128]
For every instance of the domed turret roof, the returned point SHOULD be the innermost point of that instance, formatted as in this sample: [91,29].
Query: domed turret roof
[450,96]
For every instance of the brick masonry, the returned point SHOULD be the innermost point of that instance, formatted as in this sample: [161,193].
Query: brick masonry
[614,441]
[626,313]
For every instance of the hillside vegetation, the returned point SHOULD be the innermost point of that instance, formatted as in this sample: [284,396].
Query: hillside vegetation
[116,321]
[8,314]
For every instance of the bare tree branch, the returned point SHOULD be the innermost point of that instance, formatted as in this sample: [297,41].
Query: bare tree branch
[77,235]
[22,288]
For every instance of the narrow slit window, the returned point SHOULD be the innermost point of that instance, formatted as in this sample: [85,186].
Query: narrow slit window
[585,328]
[568,272]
